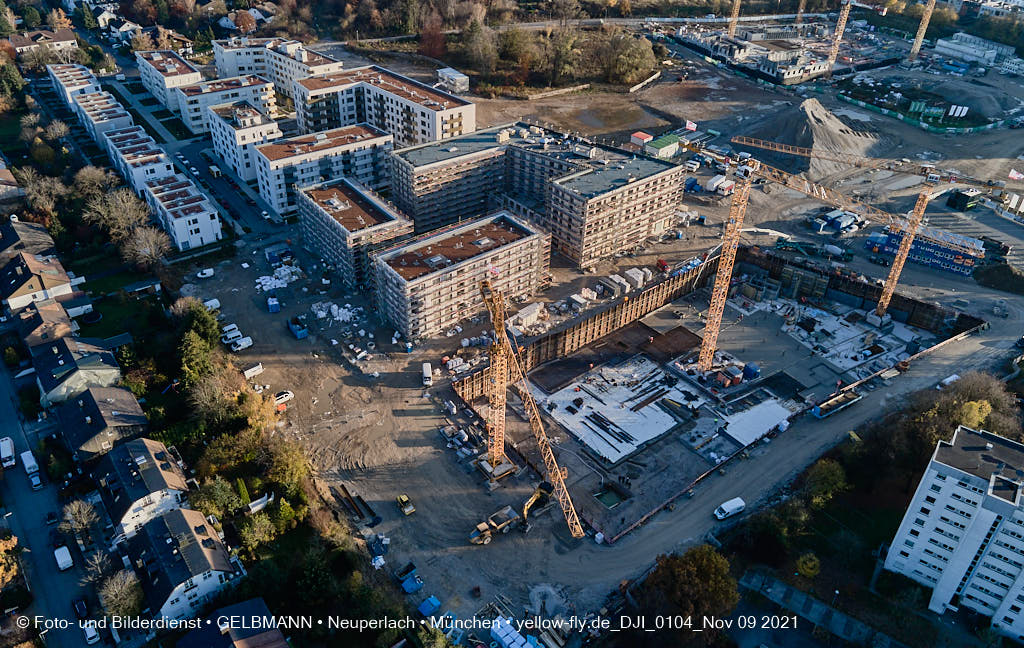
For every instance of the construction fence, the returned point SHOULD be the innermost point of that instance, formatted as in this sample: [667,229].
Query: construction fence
[944,130]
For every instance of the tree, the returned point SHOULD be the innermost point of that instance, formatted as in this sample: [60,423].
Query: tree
[256,529]
[97,566]
[410,15]
[57,19]
[87,17]
[516,45]
[432,42]
[121,594]
[695,584]
[11,81]
[119,213]
[562,55]
[8,559]
[163,38]
[141,41]
[196,359]
[245,22]
[207,398]
[79,517]
[146,246]
[288,465]
[808,565]
[193,316]
[283,515]
[216,497]
[243,492]
[41,192]
[825,479]
[56,130]
[625,59]
[6,21]
[564,10]
[974,413]
[90,182]
[480,47]
[30,17]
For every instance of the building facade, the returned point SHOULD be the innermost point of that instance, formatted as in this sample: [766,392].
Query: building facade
[962,536]
[430,284]
[237,129]
[183,211]
[344,222]
[413,112]
[70,79]
[280,60]
[137,157]
[58,41]
[358,152]
[99,112]
[973,49]
[194,100]
[28,278]
[162,71]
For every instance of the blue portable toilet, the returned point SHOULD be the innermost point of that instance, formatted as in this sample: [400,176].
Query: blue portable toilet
[751,371]
[429,606]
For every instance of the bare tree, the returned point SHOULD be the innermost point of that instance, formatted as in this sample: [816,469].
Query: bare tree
[146,246]
[38,58]
[93,181]
[79,516]
[142,41]
[28,120]
[119,213]
[208,397]
[41,191]
[96,568]
[163,38]
[565,10]
[121,594]
[56,130]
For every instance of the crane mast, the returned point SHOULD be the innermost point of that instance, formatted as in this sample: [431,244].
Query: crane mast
[922,27]
[510,371]
[734,17]
[844,15]
[800,11]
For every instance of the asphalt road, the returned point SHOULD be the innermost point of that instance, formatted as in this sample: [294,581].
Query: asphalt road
[53,590]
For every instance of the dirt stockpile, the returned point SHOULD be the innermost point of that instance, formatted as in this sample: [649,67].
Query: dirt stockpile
[813,126]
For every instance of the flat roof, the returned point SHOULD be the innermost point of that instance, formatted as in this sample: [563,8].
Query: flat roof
[279,45]
[599,179]
[982,454]
[224,85]
[436,252]
[179,196]
[167,63]
[314,142]
[233,113]
[388,81]
[347,205]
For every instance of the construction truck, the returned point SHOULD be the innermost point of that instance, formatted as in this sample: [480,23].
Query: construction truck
[499,522]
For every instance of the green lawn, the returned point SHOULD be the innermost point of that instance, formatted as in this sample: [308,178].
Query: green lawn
[111,283]
[149,101]
[177,128]
[94,264]
[10,128]
[162,114]
[128,316]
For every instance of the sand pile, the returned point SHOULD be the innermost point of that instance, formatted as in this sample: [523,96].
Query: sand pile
[813,126]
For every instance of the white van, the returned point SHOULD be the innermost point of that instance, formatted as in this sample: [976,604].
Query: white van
[728,509]
[7,458]
[241,343]
[692,166]
[231,336]
[212,304]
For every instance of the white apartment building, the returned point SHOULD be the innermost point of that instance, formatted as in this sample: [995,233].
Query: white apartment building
[237,129]
[184,212]
[99,112]
[413,112]
[344,223]
[963,533]
[162,71]
[70,79]
[193,100]
[137,157]
[358,152]
[280,60]
[432,283]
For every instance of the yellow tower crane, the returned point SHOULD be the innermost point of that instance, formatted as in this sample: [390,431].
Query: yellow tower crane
[506,369]
[844,15]
[922,27]
[734,17]
[800,11]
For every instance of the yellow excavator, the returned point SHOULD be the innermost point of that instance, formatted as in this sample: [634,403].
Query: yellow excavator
[507,517]
[541,497]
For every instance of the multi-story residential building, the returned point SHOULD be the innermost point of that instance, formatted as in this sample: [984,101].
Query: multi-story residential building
[58,41]
[237,129]
[193,100]
[99,419]
[137,157]
[70,79]
[280,60]
[139,481]
[27,278]
[358,152]
[185,213]
[962,536]
[594,200]
[344,222]
[428,285]
[181,563]
[100,112]
[413,112]
[72,366]
[162,71]
[248,624]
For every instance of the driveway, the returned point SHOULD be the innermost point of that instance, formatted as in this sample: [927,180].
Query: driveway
[53,590]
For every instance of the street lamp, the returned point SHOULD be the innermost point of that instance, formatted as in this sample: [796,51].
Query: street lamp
[834,598]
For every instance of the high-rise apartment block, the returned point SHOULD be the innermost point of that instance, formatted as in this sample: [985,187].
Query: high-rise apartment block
[237,129]
[962,536]
[594,200]
[431,283]
[193,100]
[358,152]
[162,71]
[280,60]
[184,212]
[411,111]
[344,222]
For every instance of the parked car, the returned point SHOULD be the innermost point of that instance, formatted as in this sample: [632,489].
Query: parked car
[81,608]
[728,509]
[92,635]
[35,481]
[205,273]
[283,397]
[243,343]
[228,328]
[52,518]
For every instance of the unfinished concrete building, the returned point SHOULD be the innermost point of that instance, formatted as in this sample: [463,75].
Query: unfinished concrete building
[430,284]
[565,184]
[344,222]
